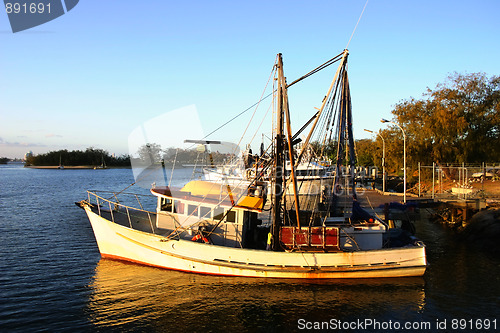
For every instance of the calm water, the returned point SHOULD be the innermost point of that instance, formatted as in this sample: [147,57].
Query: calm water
[52,278]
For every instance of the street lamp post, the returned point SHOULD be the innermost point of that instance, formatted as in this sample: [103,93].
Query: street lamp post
[404,156]
[383,158]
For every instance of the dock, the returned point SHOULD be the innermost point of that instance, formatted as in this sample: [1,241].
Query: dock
[457,213]
[373,201]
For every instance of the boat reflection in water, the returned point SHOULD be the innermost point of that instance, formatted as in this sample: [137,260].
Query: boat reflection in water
[126,296]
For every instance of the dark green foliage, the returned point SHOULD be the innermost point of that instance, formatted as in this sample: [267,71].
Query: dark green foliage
[89,157]
[364,152]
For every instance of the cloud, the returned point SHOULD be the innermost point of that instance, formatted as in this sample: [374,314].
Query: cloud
[52,135]
[19,144]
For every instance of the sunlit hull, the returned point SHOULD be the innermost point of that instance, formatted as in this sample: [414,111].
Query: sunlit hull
[119,242]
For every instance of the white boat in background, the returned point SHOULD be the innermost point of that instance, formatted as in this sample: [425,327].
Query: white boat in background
[312,173]
[217,228]
[237,173]
[462,190]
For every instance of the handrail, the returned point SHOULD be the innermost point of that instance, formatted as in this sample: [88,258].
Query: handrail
[129,219]
[140,204]
[94,193]
[99,199]
[119,193]
[111,211]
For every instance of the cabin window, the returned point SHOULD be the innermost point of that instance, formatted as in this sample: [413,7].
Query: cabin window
[179,207]
[218,214]
[166,204]
[231,216]
[205,212]
[192,210]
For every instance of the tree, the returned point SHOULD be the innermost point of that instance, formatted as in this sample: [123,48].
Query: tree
[365,152]
[150,153]
[458,121]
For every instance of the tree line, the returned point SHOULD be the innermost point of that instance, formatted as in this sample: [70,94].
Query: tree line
[89,157]
[152,153]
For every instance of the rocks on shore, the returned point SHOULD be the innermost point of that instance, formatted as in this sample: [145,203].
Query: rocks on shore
[483,229]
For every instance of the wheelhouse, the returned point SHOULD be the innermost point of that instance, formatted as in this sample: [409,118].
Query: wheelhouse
[229,214]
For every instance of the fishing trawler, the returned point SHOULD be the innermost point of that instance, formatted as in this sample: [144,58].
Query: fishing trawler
[222,229]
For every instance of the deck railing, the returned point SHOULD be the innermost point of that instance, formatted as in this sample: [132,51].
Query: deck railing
[97,198]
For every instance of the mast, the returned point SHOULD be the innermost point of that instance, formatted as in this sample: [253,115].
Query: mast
[291,157]
[284,141]
[345,141]
[278,162]
[346,95]
[280,185]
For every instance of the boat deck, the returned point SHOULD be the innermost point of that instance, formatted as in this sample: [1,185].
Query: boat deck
[138,220]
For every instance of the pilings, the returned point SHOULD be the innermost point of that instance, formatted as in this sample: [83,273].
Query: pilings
[457,213]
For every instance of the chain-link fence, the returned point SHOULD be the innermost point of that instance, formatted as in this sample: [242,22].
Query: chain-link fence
[464,181]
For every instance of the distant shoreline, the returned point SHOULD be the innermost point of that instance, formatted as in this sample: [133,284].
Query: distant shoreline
[74,167]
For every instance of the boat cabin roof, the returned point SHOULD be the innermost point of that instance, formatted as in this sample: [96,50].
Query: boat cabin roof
[215,194]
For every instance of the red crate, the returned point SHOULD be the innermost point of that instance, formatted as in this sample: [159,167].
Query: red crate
[331,236]
[310,237]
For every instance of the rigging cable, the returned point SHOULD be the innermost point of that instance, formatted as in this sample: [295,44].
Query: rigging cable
[238,115]
[359,19]
[256,107]
[317,69]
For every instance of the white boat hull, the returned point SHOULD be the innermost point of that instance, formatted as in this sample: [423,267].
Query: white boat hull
[119,242]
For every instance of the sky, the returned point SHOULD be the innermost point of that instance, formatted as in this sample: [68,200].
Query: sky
[94,76]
